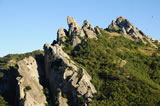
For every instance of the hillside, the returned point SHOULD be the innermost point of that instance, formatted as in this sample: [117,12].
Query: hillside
[87,65]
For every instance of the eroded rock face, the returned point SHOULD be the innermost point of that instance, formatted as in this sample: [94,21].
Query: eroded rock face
[31,92]
[75,41]
[123,25]
[66,77]
[61,35]
[74,28]
[89,30]
[75,33]
[97,30]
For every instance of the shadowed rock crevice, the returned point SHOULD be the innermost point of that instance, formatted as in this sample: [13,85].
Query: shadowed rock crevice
[42,79]
[8,86]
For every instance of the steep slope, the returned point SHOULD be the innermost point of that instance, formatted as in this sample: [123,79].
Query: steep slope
[87,65]
[69,83]
[122,60]
[121,72]
[65,77]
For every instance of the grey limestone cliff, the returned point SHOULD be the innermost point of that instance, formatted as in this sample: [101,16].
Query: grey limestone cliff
[30,90]
[69,82]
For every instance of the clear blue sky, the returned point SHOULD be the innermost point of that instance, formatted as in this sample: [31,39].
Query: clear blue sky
[25,25]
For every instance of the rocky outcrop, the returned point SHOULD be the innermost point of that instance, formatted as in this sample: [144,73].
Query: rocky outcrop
[124,26]
[75,33]
[74,28]
[62,101]
[89,30]
[30,90]
[97,30]
[66,78]
[75,41]
[61,35]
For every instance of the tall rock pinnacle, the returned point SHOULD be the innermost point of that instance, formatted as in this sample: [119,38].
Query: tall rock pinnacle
[74,28]
[89,30]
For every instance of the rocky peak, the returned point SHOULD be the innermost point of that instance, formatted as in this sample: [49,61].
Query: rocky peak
[72,22]
[61,34]
[87,25]
[123,25]
[75,32]
[89,30]
[74,28]
[122,22]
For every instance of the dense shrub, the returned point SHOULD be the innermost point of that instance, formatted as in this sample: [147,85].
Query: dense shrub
[136,83]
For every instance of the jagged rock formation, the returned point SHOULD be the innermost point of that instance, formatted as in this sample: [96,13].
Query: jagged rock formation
[31,92]
[61,35]
[74,28]
[75,32]
[67,78]
[70,84]
[124,26]
[97,30]
[75,41]
[89,30]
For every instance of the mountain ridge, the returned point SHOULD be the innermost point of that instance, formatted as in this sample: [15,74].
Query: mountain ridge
[87,65]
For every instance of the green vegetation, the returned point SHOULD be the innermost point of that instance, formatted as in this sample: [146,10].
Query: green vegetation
[80,73]
[135,83]
[1,74]
[27,88]
[3,102]
[46,92]
[10,60]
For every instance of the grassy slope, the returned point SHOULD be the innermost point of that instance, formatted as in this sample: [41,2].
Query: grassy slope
[136,83]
